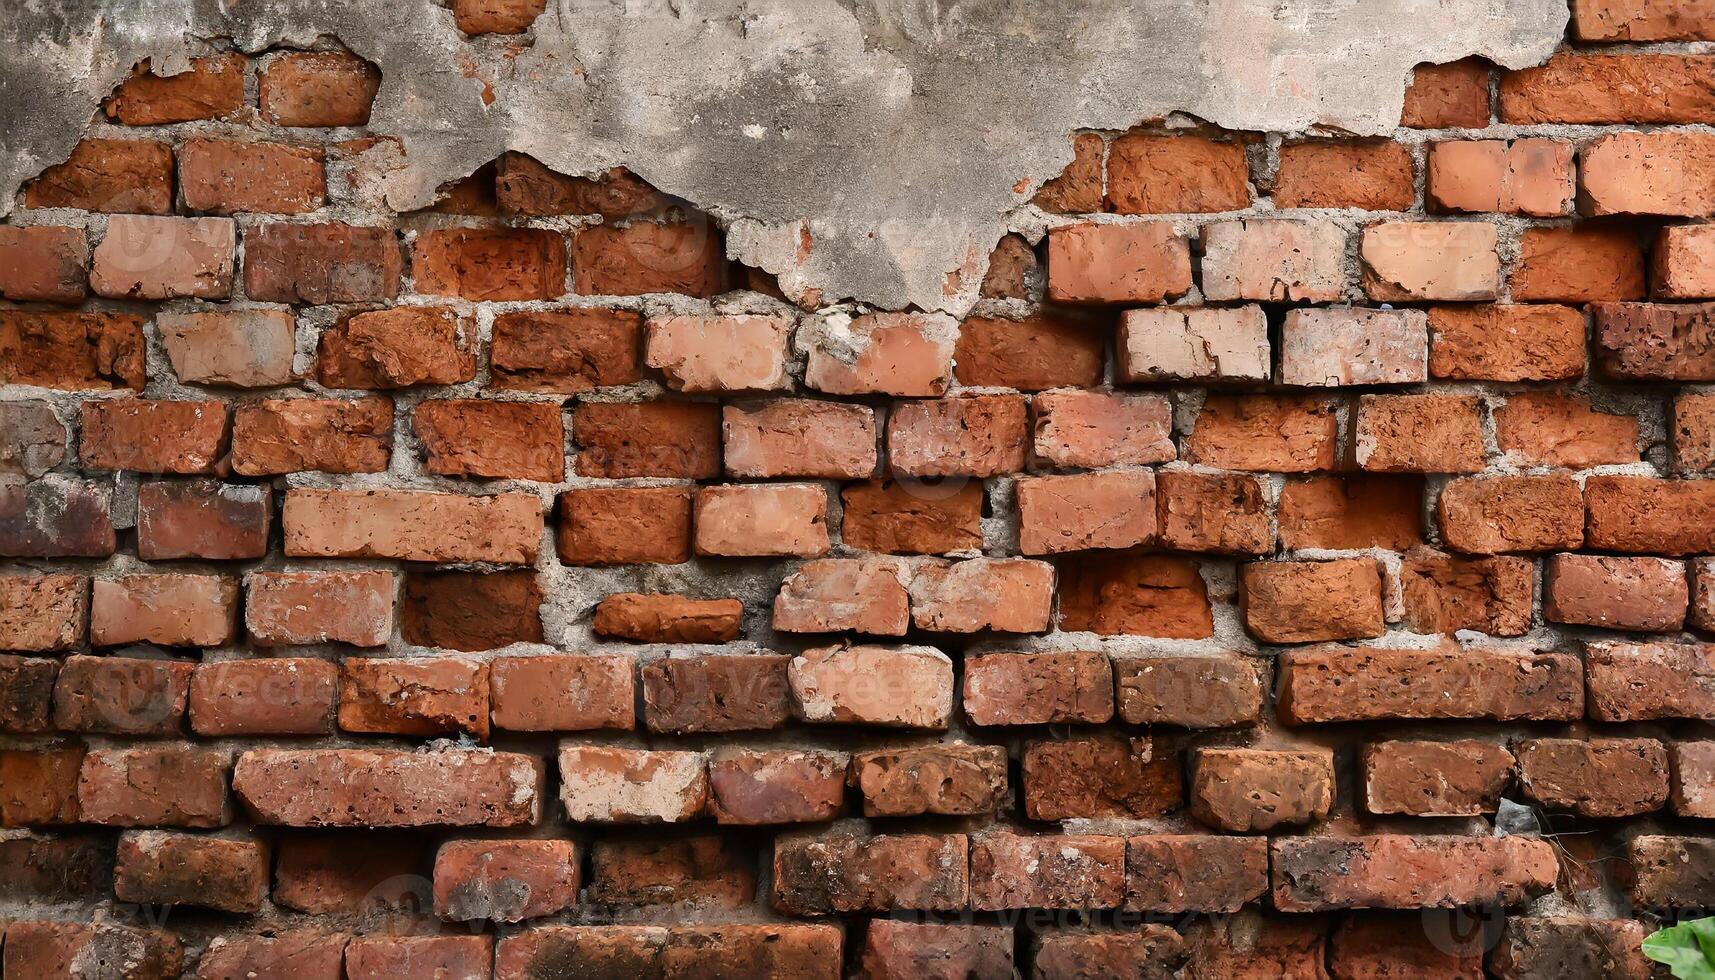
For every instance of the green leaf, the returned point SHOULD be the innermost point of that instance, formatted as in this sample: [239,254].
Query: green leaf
[1687,949]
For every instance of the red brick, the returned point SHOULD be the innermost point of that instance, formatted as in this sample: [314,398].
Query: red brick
[498,440]
[318,88]
[719,693]
[722,353]
[889,687]
[1135,595]
[43,612]
[1693,787]
[524,186]
[1526,176]
[624,526]
[1383,945]
[1645,594]
[1248,790]
[323,872]
[800,437]
[1641,20]
[1702,593]
[1655,342]
[1506,343]
[1601,777]
[233,348]
[115,176]
[293,954]
[1190,690]
[1172,344]
[1404,872]
[323,263]
[1274,260]
[1078,188]
[896,950]
[1357,511]
[912,517]
[145,257]
[762,519]
[303,608]
[1539,948]
[213,88]
[947,778]
[202,519]
[655,438]
[54,518]
[1645,681]
[1051,871]
[471,610]
[396,348]
[72,351]
[1251,947]
[43,264]
[1114,509]
[40,785]
[563,693]
[389,788]
[1668,872]
[1443,594]
[169,608]
[1597,89]
[1135,263]
[864,595]
[974,435]
[1038,689]
[54,950]
[1450,96]
[384,957]
[657,618]
[845,873]
[410,525]
[900,354]
[153,436]
[1341,346]
[681,869]
[1169,873]
[650,257]
[1308,601]
[1682,264]
[490,264]
[1328,684]
[565,351]
[1007,595]
[1275,433]
[1014,271]
[774,787]
[27,694]
[1100,776]
[121,695]
[734,950]
[603,784]
[414,697]
[496,16]
[1150,950]
[58,869]
[229,177]
[1584,264]
[159,868]
[289,435]
[1409,261]
[1030,354]
[1640,514]
[1551,429]
[1660,173]
[1490,515]
[263,697]
[1092,429]
[504,881]
[1419,434]
[1374,175]
[1435,779]
[163,785]
[1693,432]
[1224,513]
[1177,175]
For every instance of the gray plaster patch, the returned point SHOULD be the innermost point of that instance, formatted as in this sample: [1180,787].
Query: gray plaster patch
[900,134]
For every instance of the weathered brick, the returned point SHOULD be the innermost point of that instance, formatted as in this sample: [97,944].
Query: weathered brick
[1532,948]
[973,435]
[1078,188]
[912,517]
[1353,346]
[661,618]
[948,778]
[1172,344]
[1506,343]
[1046,350]
[1099,776]
[1224,513]
[165,785]
[1309,601]
[864,595]
[890,687]
[562,693]
[57,869]
[169,608]
[720,353]
[1645,594]
[1551,429]
[1682,263]
[1051,871]
[212,88]
[1149,174]
[565,351]
[490,263]
[1008,595]
[1189,691]
[1038,689]
[732,950]
[161,868]
[522,185]
[1702,614]
[1246,790]
[1374,175]
[318,88]
[1410,261]
[1655,342]
[230,177]
[650,257]
[654,438]
[1112,509]
[1274,260]
[55,518]
[1640,89]
[1432,433]
[774,787]
[1092,429]
[615,785]
[504,881]
[900,354]
[800,437]
[757,519]
[498,440]
[303,608]
[717,693]
[72,351]
[1373,945]
[1172,873]
[115,176]
[681,869]
[289,435]
[233,348]
[264,697]
[1601,777]
[32,439]
[1440,593]
[1669,872]
[1581,264]
[624,526]
[496,16]
[396,348]
[1405,872]
[322,263]
[40,613]
[121,695]
[153,436]
[43,264]
[410,525]
[1136,595]
[71,949]
[1135,263]
[1641,514]
[1250,946]
[380,957]
[1014,271]
[846,873]
[471,610]
[389,788]
[1525,176]
[1659,173]
[1490,515]
[1327,684]
[154,258]
[414,697]
[1150,950]
[27,694]
[1435,779]
[202,519]
[349,871]
[1645,681]
[895,950]
[1450,96]
[1356,511]
[309,953]
[1693,788]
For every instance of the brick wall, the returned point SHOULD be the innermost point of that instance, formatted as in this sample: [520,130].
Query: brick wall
[520,588]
